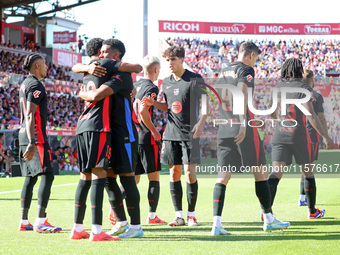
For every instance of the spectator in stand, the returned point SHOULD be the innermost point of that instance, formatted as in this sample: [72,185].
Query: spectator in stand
[79,43]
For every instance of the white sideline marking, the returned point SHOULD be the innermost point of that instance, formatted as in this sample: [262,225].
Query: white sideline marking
[54,186]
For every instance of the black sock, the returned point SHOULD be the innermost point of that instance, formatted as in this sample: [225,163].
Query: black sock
[132,198]
[302,185]
[263,194]
[176,194]
[44,193]
[273,181]
[80,200]
[153,195]
[122,190]
[192,191]
[97,193]
[310,189]
[26,196]
[115,198]
[218,196]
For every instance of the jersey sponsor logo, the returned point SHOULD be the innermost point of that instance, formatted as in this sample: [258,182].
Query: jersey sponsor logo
[230,73]
[249,78]
[176,107]
[153,95]
[176,92]
[36,93]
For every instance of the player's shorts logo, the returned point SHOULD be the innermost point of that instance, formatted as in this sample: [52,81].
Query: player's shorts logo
[36,93]
[176,107]
[176,92]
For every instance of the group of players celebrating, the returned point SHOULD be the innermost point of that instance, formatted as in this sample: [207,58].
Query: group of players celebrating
[116,136]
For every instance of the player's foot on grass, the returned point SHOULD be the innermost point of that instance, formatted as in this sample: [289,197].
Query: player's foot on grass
[28,227]
[262,216]
[79,235]
[46,227]
[102,237]
[117,229]
[177,222]
[156,220]
[275,225]
[219,231]
[303,202]
[192,221]
[112,217]
[318,214]
[132,233]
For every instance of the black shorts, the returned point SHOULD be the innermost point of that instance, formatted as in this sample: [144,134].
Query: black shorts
[249,153]
[124,157]
[94,150]
[41,162]
[148,159]
[316,150]
[303,153]
[180,152]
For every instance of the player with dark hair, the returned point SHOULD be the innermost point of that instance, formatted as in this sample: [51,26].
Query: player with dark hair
[124,144]
[317,101]
[148,159]
[293,138]
[181,136]
[94,130]
[34,151]
[238,144]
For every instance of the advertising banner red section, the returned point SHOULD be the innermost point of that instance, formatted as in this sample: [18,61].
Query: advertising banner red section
[65,58]
[249,28]
[64,37]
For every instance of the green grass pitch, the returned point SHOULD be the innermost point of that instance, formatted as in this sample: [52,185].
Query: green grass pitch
[241,216]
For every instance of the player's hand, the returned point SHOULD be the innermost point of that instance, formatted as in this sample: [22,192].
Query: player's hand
[156,135]
[133,93]
[329,143]
[29,153]
[147,101]
[240,136]
[96,70]
[197,130]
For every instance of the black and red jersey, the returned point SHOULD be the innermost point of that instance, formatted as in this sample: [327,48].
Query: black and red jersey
[96,115]
[32,90]
[145,88]
[231,75]
[317,101]
[123,128]
[183,97]
[292,127]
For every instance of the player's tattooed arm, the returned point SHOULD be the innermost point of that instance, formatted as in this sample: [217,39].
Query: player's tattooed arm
[148,101]
[242,132]
[94,69]
[30,129]
[145,116]
[130,68]
[315,122]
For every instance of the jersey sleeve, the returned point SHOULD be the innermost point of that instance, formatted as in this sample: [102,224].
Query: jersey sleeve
[152,92]
[35,93]
[199,87]
[319,104]
[118,82]
[247,76]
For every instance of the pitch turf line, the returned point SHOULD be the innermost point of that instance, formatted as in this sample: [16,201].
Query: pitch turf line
[55,186]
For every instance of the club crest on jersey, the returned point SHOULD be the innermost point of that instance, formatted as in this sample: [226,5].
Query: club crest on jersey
[176,92]
[249,78]
[36,93]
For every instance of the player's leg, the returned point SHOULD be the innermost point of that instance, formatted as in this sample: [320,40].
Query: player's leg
[310,189]
[275,178]
[153,197]
[302,197]
[176,192]
[43,161]
[82,191]
[26,199]
[116,201]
